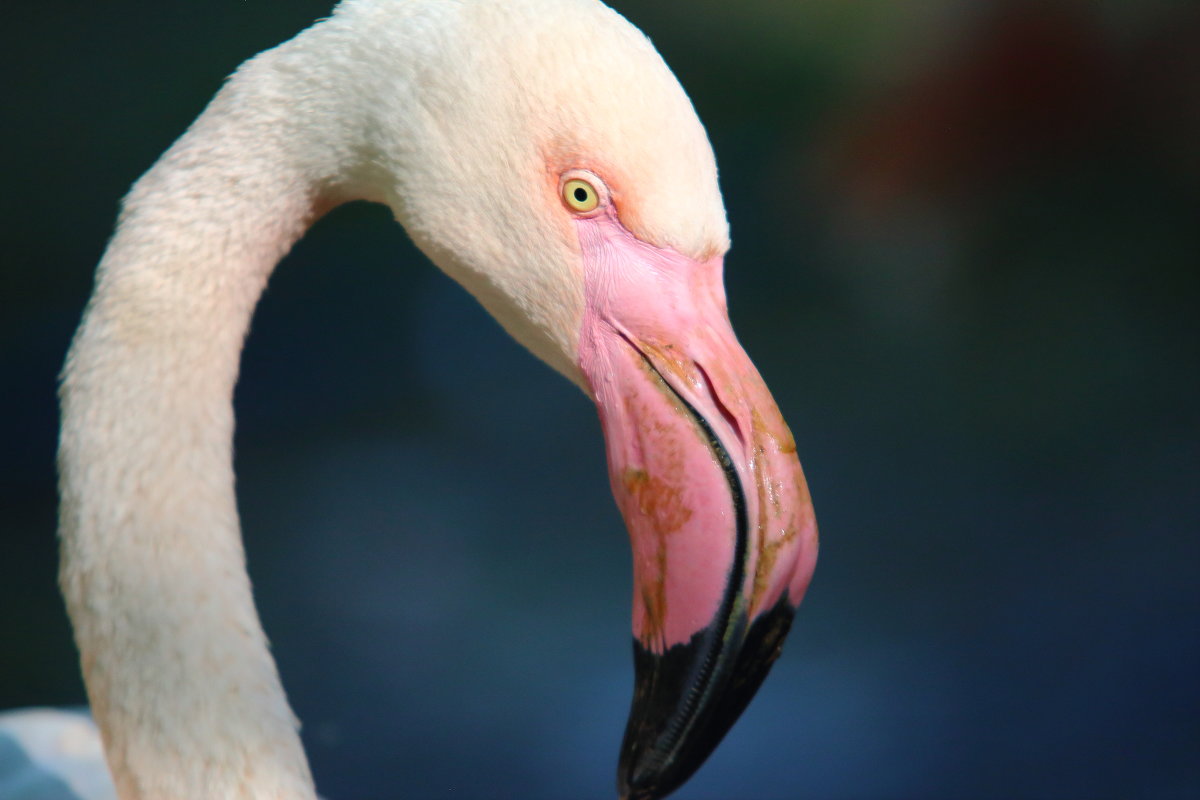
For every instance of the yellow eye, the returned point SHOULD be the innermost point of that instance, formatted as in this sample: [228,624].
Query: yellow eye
[579,195]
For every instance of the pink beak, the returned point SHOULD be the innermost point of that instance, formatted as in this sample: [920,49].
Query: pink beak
[705,473]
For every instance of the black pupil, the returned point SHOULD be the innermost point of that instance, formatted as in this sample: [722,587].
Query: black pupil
[580,194]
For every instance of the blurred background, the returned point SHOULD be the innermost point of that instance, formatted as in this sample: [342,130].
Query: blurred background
[966,259]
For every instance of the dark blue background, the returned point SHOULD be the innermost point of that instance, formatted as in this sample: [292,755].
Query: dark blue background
[966,252]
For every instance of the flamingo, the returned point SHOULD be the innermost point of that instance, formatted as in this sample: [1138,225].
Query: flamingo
[543,155]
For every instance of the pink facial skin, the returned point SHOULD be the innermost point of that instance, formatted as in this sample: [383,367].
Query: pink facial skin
[655,329]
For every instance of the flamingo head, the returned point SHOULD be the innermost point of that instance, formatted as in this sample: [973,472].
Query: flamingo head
[565,180]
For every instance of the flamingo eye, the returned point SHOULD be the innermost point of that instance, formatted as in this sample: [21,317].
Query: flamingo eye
[579,195]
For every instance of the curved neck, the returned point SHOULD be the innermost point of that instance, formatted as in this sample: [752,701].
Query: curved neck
[176,664]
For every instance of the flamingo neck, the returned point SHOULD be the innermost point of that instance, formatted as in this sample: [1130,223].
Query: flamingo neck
[174,657]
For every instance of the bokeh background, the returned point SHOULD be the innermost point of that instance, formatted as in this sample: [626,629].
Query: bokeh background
[966,259]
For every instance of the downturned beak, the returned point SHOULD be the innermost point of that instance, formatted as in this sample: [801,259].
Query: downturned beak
[705,473]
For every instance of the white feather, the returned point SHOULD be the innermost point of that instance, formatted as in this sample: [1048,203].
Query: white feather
[46,754]
[460,116]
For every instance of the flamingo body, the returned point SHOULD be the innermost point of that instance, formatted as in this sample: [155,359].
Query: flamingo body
[542,154]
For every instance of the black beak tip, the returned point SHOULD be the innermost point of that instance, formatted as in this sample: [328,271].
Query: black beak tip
[686,699]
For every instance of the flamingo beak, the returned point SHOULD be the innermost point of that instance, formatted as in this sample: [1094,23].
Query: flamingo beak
[705,473]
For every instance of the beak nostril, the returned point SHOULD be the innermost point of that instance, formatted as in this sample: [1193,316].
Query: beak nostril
[726,414]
